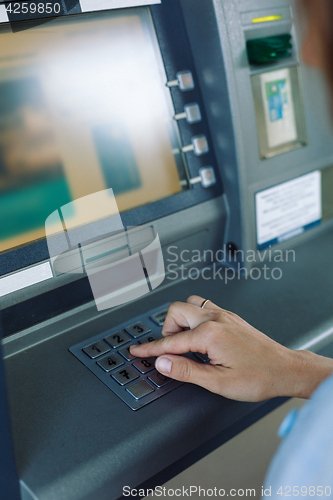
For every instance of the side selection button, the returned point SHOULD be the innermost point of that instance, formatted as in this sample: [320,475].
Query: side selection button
[185,80]
[193,113]
[208,177]
[200,145]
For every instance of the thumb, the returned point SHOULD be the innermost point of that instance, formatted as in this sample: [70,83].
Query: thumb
[182,369]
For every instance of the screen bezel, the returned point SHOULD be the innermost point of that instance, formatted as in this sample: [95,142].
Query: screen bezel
[177,56]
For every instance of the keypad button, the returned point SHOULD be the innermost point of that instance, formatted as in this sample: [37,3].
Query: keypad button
[202,357]
[125,375]
[193,113]
[151,338]
[208,177]
[140,389]
[200,145]
[126,352]
[158,379]
[159,317]
[117,339]
[96,349]
[185,80]
[137,329]
[110,362]
[145,365]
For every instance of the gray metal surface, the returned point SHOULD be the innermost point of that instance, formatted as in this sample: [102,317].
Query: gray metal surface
[9,482]
[60,452]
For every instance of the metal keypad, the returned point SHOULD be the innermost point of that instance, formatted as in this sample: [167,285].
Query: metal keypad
[134,380]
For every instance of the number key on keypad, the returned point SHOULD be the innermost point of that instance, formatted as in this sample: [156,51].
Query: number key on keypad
[126,352]
[96,349]
[140,389]
[159,317]
[145,365]
[125,375]
[110,362]
[117,339]
[137,329]
[158,379]
[150,338]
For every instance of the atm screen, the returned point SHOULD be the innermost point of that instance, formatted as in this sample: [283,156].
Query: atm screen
[83,108]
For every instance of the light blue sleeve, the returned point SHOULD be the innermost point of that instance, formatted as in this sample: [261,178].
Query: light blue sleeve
[305,456]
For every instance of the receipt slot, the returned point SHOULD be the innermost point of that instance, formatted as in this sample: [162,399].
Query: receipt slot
[121,265]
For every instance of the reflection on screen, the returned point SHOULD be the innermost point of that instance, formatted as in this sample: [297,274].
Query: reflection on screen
[83,107]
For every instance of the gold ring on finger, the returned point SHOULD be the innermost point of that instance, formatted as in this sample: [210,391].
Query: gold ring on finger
[204,303]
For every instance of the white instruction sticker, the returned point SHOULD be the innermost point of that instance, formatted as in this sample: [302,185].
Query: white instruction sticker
[3,14]
[22,279]
[91,5]
[288,209]
[279,107]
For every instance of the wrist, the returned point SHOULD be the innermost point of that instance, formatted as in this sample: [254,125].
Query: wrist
[307,371]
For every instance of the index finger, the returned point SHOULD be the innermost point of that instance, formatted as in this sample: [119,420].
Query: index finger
[183,342]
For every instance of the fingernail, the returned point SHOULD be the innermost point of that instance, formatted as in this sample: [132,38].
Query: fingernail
[133,347]
[164,365]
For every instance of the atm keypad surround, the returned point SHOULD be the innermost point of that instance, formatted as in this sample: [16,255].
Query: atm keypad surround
[134,380]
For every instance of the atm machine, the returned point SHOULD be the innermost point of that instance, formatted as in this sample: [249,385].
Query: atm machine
[189,128]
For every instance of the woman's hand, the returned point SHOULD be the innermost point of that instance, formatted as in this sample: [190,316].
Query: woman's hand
[245,364]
